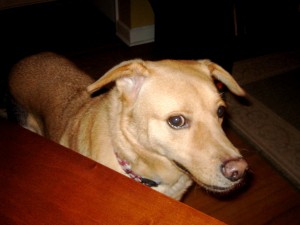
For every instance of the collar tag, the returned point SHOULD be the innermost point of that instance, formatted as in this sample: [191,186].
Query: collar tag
[148,182]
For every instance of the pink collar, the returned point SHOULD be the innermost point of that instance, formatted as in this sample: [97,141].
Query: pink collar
[127,168]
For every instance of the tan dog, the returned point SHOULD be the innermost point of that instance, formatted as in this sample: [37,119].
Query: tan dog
[160,124]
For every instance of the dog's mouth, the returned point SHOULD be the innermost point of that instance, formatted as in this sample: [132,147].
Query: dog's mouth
[213,188]
[182,168]
[224,190]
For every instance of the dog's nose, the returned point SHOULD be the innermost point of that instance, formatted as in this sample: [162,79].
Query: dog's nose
[234,169]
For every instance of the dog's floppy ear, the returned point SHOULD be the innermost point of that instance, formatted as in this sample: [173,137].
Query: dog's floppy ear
[222,75]
[128,75]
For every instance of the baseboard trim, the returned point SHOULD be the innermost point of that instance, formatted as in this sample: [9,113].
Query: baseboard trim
[135,36]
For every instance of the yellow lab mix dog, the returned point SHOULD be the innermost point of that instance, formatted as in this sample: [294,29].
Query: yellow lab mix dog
[159,124]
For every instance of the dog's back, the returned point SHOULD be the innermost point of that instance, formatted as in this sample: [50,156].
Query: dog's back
[47,82]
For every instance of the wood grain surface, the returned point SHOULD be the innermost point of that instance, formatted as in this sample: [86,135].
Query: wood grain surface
[45,183]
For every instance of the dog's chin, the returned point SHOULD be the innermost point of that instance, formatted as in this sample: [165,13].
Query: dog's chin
[225,191]
[221,189]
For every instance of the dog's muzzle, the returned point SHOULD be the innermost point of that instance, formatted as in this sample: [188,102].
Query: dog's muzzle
[235,170]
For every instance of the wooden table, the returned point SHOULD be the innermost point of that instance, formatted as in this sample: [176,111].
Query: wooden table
[45,183]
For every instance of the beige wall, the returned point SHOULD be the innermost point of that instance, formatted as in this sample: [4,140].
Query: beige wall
[135,13]
[141,13]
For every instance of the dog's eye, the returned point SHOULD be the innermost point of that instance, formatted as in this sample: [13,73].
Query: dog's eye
[177,122]
[221,111]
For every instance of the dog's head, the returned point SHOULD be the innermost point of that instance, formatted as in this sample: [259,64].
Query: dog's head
[176,111]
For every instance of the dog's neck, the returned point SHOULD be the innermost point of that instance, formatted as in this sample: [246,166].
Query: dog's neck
[127,169]
[125,138]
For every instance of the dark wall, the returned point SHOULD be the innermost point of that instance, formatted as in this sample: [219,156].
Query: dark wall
[64,26]
[225,30]
[268,25]
[194,29]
